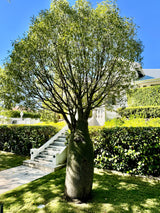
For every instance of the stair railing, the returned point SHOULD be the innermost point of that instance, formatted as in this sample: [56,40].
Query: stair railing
[35,152]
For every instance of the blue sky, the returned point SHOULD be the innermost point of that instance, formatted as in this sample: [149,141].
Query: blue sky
[15,19]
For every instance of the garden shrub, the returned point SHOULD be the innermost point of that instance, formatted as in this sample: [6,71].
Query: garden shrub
[145,96]
[58,125]
[114,122]
[49,116]
[16,114]
[131,150]
[19,139]
[132,122]
[140,111]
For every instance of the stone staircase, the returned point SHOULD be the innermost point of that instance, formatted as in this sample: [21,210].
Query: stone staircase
[52,155]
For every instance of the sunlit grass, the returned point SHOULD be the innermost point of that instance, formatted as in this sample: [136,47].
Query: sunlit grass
[112,193]
[58,125]
[9,160]
[133,122]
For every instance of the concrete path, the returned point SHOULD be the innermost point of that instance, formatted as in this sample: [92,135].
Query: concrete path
[11,178]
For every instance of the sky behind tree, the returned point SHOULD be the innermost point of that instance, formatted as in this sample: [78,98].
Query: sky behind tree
[15,18]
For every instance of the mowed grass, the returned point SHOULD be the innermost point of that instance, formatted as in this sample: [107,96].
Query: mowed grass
[112,193]
[9,160]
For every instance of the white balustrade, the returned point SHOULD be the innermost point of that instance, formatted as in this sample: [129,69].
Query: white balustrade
[35,152]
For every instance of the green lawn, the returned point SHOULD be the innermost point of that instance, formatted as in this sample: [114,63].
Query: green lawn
[112,193]
[9,160]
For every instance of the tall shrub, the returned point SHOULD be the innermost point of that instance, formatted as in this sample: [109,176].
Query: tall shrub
[140,112]
[145,96]
[20,139]
[131,150]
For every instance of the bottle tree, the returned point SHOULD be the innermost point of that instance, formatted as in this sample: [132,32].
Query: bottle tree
[71,60]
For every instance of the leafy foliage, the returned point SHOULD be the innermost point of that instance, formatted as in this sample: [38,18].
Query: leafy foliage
[140,112]
[145,96]
[74,57]
[49,116]
[133,122]
[16,114]
[12,94]
[114,122]
[58,125]
[6,90]
[132,150]
[19,139]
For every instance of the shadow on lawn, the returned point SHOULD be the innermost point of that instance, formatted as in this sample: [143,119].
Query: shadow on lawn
[26,198]
[125,193]
[111,193]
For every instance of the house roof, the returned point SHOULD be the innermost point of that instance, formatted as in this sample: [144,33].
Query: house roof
[155,73]
[146,77]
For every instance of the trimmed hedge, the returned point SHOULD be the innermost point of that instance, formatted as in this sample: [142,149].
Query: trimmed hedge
[145,96]
[127,149]
[131,150]
[140,112]
[48,116]
[16,114]
[20,139]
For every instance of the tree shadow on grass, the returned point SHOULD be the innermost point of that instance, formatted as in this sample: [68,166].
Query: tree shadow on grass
[27,197]
[111,194]
[125,194]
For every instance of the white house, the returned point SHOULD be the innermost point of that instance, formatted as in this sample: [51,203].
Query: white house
[147,77]
[151,78]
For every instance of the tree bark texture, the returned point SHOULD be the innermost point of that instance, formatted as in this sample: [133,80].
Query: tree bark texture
[79,171]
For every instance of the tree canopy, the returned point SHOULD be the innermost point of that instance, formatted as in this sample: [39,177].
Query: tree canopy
[12,94]
[5,90]
[72,58]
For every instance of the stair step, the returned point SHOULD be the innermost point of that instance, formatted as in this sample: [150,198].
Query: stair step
[53,147]
[44,163]
[48,157]
[62,139]
[50,152]
[64,133]
[43,160]
[38,165]
[43,167]
[59,144]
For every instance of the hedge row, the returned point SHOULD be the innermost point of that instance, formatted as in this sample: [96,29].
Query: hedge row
[48,116]
[131,150]
[20,139]
[145,96]
[132,122]
[140,111]
[126,149]
[16,114]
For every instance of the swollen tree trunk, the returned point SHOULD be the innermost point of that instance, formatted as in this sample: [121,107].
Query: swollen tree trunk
[79,171]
